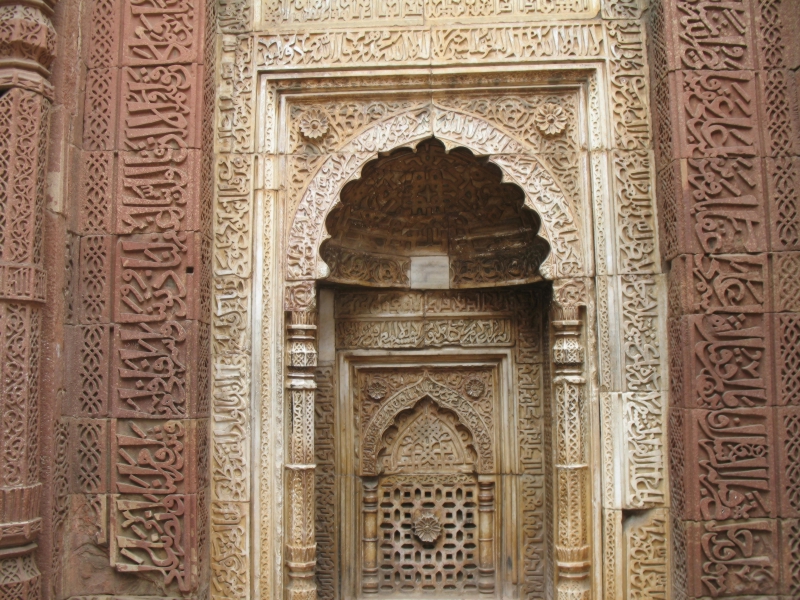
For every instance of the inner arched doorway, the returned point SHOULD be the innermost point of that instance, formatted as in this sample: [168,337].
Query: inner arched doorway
[434,453]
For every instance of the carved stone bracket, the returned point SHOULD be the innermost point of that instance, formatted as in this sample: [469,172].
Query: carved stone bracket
[300,385]
[572,473]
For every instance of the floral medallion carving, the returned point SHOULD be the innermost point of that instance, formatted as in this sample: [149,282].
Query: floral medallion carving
[550,119]
[314,123]
[427,527]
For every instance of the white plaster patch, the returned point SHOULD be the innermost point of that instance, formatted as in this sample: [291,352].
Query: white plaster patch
[430,273]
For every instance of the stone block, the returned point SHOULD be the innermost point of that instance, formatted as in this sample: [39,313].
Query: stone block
[156,458]
[155,103]
[789,557]
[96,192]
[677,438]
[786,281]
[95,279]
[91,453]
[677,334]
[158,190]
[100,106]
[777,112]
[157,34]
[711,35]
[733,558]
[729,473]
[720,284]
[787,443]
[102,27]
[786,342]
[783,187]
[157,278]
[156,371]
[665,120]
[726,360]
[724,201]
[171,523]
[717,114]
[88,355]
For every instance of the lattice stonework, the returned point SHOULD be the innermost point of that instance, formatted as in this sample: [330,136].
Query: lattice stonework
[428,538]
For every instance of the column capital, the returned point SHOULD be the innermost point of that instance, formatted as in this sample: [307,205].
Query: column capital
[27,45]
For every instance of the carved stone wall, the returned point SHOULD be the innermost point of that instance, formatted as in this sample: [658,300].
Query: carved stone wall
[310,95]
[27,48]
[725,103]
[201,156]
[135,398]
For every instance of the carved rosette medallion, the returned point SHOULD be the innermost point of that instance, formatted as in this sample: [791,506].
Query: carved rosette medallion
[314,123]
[427,527]
[550,118]
[474,388]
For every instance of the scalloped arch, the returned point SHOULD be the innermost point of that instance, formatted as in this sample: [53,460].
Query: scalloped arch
[407,398]
[560,227]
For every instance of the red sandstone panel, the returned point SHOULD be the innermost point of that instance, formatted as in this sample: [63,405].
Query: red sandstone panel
[157,33]
[157,278]
[717,114]
[720,284]
[95,278]
[733,558]
[100,109]
[787,358]
[157,191]
[727,361]
[96,192]
[103,18]
[783,186]
[713,35]
[790,557]
[724,198]
[786,281]
[88,355]
[90,452]
[730,465]
[159,107]
[156,370]
[777,116]
[787,428]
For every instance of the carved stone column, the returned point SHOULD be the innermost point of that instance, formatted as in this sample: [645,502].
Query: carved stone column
[572,477]
[27,44]
[486,535]
[301,547]
[369,570]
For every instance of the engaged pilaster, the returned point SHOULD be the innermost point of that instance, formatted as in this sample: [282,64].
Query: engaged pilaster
[572,477]
[27,44]
[301,547]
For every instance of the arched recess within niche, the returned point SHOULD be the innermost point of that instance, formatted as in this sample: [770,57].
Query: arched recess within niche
[432,218]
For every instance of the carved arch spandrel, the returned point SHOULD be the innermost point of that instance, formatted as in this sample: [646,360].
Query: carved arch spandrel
[407,398]
[560,225]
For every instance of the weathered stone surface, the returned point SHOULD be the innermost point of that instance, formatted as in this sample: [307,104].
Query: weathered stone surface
[212,165]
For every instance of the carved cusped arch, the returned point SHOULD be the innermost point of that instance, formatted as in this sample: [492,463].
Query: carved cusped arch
[431,202]
[560,227]
[408,398]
